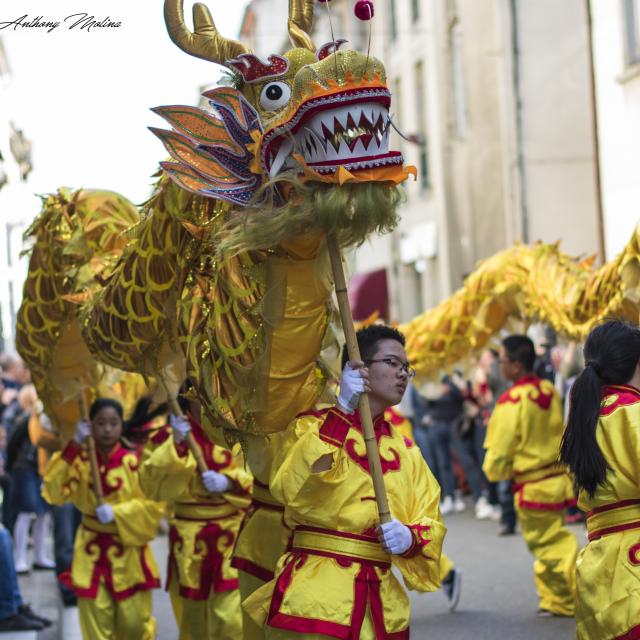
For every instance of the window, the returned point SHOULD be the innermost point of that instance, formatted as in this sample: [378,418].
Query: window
[394,20]
[631,24]
[415,10]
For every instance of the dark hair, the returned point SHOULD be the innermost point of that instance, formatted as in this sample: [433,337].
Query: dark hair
[183,395]
[520,349]
[142,414]
[103,403]
[611,354]
[368,339]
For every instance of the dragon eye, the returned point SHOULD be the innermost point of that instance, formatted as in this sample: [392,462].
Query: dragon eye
[275,95]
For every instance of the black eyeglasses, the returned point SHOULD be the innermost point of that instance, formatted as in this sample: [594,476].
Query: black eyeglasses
[396,365]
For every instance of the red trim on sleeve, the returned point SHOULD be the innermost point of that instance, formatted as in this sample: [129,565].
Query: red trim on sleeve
[71,451]
[420,540]
[335,428]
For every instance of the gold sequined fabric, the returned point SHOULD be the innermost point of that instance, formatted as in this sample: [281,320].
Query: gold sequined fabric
[530,283]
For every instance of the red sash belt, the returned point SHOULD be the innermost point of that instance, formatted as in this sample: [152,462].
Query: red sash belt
[613,518]
[346,549]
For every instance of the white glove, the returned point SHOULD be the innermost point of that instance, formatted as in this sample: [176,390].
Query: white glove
[352,384]
[104,513]
[180,426]
[215,482]
[83,431]
[395,537]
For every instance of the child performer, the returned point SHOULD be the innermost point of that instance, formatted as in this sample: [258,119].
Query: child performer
[113,570]
[602,447]
[336,580]
[523,439]
[207,511]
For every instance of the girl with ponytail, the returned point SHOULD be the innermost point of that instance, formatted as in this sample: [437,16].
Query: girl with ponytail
[601,446]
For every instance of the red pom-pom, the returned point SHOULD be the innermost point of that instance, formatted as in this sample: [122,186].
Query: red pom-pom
[364,9]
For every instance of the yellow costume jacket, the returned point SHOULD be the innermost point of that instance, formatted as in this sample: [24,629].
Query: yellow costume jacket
[336,569]
[608,568]
[523,444]
[264,536]
[204,526]
[116,553]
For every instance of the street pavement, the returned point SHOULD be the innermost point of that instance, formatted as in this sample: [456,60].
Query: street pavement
[498,597]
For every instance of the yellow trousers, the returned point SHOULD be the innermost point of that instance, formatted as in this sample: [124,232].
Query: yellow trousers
[248,584]
[104,618]
[217,618]
[555,550]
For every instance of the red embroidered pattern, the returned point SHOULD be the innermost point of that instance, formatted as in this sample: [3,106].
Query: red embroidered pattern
[102,568]
[217,458]
[363,461]
[634,555]
[119,457]
[542,399]
[420,540]
[625,396]
[211,536]
[366,591]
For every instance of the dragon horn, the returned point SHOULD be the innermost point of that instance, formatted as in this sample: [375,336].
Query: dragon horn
[300,23]
[205,42]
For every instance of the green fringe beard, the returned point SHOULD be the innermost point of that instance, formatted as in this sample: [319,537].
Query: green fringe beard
[352,211]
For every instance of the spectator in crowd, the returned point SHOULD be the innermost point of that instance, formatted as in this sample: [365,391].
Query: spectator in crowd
[26,501]
[443,414]
[15,615]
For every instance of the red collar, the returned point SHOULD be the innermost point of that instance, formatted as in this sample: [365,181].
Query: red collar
[609,389]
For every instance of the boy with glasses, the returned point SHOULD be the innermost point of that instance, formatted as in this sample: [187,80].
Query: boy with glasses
[336,580]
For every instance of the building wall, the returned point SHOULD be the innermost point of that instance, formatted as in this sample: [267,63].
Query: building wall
[557,124]
[617,78]
[495,98]
[16,209]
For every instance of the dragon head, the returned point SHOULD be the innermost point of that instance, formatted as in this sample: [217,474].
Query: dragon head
[309,116]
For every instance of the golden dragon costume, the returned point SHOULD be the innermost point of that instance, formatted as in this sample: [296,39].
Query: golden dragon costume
[77,239]
[530,283]
[227,269]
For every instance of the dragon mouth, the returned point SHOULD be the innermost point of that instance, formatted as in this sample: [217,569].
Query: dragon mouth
[349,129]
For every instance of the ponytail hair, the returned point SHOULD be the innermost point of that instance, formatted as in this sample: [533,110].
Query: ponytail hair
[611,353]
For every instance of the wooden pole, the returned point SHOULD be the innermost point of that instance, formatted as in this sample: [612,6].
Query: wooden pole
[373,455]
[189,439]
[91,452]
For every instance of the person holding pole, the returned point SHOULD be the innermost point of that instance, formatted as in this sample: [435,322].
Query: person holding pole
[336,579]
[208,507]
[113,569]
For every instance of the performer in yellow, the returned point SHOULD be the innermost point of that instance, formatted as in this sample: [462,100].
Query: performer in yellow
[263,536]
[113,570]
[336,581]
[522,442]
[601,445]
[207,511]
